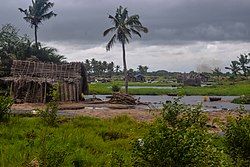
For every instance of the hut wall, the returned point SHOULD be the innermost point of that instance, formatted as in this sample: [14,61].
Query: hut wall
[33,81]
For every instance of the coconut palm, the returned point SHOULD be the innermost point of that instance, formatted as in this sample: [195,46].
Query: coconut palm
[123,28]
[38,12]
[243,62]
[142,69]
[117,69]
[234,67]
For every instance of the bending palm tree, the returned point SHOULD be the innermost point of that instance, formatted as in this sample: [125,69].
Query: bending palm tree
[38,12]
[124,27]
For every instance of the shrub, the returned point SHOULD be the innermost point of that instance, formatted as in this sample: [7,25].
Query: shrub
[49,115]
[115,88]
[237,136]
[179,138]
[242,100]
[5,105]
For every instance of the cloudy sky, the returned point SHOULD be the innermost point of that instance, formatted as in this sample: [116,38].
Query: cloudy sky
[183,35]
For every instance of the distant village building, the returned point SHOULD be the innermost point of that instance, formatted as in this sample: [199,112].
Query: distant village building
[192,82]
[136,78]
[32,81]
[192,79]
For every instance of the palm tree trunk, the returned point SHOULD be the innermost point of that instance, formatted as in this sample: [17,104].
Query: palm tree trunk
[125,68]
[36,43]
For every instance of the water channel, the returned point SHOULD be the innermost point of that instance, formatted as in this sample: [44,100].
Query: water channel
[158,100]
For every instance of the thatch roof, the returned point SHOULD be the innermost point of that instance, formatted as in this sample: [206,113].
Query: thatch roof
[29,80]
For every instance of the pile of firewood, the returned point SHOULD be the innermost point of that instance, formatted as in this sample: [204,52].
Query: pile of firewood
[119,98]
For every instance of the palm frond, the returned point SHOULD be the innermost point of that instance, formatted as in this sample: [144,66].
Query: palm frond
[28,19]
[111,43]
[108,30]
[126,39]
[46,7]
[136,32]
[23,11]
[124,15]
[33,2]
[133,20]
[114,20]
[48,15]
[126,32]
[140,28]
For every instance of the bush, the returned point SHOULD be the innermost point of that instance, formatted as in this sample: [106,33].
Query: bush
[5,105]
[238,139]
[179,138]
[115,88]
[242,100]
[49,115]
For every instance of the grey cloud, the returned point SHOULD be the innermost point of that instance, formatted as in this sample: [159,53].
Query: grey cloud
[168,21]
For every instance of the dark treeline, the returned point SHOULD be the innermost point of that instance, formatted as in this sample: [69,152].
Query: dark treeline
[20,47]
[107,69]
[103,68]
[99,68]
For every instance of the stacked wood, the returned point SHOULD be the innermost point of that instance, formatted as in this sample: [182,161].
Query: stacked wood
[119,98]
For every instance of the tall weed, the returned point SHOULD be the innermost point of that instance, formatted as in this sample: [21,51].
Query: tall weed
[5,108]
[49,115]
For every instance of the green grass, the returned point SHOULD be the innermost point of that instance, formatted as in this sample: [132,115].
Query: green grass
[240,88]
[90,141]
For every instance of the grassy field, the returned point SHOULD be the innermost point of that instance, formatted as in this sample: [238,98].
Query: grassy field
[86,141]
[241,88]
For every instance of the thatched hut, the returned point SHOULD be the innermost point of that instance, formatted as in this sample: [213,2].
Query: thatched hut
[32,81]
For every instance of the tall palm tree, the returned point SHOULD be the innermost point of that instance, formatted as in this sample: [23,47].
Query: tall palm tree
[38,12]
[123,28]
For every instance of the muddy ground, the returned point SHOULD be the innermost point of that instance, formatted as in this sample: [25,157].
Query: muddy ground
[105,110]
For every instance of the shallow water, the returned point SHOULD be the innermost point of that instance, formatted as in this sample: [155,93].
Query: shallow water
[158,100]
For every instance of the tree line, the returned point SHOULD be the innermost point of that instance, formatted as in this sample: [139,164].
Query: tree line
[103,68]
